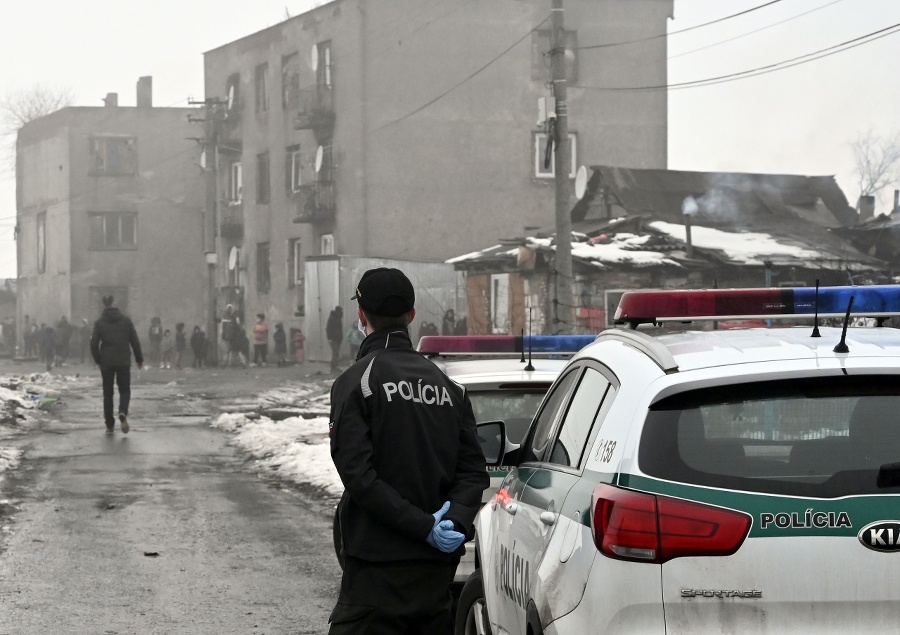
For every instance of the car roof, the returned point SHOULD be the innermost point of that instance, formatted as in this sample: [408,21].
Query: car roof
[491,372]
[692,350]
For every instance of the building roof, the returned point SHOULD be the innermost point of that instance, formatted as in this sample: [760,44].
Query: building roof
[633,218]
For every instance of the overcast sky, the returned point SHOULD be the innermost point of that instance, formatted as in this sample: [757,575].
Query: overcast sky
[794,121]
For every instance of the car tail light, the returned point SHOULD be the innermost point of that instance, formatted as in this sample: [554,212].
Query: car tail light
[632,525]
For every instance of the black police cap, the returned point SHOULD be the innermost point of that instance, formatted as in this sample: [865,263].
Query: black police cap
[385,291]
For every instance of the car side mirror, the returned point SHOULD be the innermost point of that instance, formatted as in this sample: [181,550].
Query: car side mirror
[493,441]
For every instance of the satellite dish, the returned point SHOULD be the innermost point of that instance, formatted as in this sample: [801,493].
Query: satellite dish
[203,158]
[580,182]
[320,151]
[314,57]
[232,258]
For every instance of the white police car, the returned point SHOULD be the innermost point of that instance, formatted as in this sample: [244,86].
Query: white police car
[710,481]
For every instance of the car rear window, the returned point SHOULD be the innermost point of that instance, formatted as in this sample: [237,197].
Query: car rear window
[828,437]
[514,407]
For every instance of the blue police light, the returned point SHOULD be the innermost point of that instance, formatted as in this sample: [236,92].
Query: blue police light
[502,344]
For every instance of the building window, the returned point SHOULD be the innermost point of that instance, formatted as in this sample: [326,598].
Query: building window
[235,183]
[294,166]
[295,263]
[540,56]
[113,230]
[232,94]
[323,69]
[113,155]
[263,277]
[42,242]
[290,81]
[262,178]
[544,166]
[262,90]
[234,268]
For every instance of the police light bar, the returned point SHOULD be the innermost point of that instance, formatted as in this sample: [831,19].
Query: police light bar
[647,307]
[502,344]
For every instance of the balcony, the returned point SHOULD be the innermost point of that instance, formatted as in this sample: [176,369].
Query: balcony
[316,111]
[315,202]
[231,220]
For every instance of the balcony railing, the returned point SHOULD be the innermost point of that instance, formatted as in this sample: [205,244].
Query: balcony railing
[316,109]
[315,202]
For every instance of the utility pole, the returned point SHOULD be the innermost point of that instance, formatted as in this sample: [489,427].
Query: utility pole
[211,120]
[564,314]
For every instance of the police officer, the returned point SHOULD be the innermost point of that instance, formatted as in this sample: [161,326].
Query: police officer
[404,443]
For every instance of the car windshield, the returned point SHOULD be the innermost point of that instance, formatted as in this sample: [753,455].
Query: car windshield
[513,407]
[825,437]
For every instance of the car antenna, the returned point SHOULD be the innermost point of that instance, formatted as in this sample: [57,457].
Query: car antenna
[842,345]
[529,366]
[815,332]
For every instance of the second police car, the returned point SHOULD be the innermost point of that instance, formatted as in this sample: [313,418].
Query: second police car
[709,481]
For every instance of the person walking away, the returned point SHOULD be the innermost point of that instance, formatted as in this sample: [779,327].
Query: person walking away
[280,340]
[180,344]
[354,338]
[167,346]
[404,443]
[198,346]
[48,345]
[155,336]
[260,340]
[334,331]
[113,340]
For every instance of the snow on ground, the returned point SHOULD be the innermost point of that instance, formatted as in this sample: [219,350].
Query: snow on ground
[20,397]
[295,448]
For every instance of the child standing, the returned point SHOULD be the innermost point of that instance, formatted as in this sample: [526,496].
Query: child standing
[198,346]
[260,340]
[168,343]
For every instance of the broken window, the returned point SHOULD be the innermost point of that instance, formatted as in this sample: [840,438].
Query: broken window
[262,178]
[290,81]
[113,155]
[262,90]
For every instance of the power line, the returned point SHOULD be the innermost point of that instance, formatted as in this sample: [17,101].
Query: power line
[685,30]
[763,28]
[760,70]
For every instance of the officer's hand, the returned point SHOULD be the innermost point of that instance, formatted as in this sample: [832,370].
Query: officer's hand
[445,538]
[440,513]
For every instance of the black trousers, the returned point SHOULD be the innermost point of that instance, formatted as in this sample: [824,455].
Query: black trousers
[394,598]
[121,376]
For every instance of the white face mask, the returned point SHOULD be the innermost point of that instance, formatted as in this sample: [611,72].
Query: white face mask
[360,327]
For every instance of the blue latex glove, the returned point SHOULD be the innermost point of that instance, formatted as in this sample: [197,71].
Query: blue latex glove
[439,537]
[445,538]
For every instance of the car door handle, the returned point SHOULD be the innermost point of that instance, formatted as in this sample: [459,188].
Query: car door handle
[548,518]
[511,508]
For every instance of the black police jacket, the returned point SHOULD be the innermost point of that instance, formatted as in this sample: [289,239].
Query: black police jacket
[113,339]
[403,441]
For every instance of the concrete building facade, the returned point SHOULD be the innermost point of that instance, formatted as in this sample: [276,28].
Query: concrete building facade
[110,201]
[406,129]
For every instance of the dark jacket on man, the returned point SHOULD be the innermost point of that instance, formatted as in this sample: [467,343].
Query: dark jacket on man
[403,441]
[113,340]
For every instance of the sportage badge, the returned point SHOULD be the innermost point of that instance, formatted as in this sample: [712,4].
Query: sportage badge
[882,535]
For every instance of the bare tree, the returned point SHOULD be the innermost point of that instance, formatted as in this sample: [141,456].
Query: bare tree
[877,159]
[18,108]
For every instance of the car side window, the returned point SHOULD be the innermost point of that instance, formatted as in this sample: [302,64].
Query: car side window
[538,440]
[579,419]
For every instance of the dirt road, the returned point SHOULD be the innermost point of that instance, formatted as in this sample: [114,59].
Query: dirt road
[163,530]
